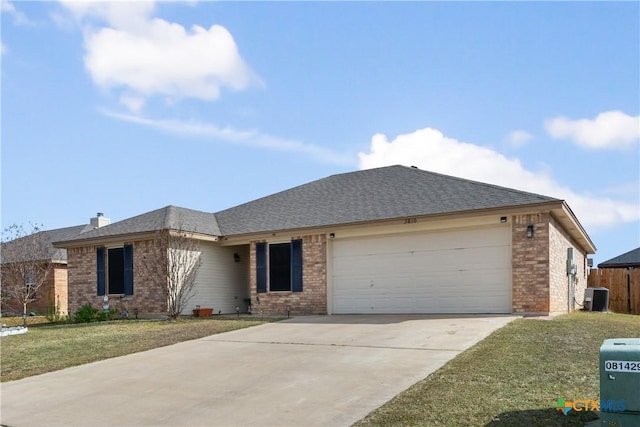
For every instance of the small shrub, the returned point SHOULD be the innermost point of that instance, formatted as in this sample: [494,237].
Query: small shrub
[106,315]
[86,314]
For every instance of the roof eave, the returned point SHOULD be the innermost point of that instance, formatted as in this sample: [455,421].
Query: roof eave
[125,237]
[565,216]
[500,211]
[621,265]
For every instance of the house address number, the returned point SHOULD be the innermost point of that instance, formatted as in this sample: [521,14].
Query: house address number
[411,220]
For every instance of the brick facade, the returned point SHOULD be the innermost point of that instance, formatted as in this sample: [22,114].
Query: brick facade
[530,263]
[539,277]
[147,297]
[312,299]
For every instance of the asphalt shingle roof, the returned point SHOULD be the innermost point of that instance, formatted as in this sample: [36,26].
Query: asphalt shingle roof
[47,251]
[169,217]
[627,259]
[369,195]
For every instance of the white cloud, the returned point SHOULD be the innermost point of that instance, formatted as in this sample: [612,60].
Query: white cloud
[611,129]
[145,56]
[3,48]
[124,14]
[228,134]
[518,138]
[19,18]
[430,150]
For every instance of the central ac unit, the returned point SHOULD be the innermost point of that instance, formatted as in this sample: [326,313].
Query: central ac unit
[596,299]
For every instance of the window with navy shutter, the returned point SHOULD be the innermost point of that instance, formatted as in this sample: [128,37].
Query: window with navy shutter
[114,268]
[100,270]
[261,267]
[279,266]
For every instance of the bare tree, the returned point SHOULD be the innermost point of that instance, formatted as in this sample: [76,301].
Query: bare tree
[175,267]
[26,264]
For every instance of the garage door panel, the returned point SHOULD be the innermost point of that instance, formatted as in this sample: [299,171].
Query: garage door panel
[464,271]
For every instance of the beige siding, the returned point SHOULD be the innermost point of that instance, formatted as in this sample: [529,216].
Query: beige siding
[222,283]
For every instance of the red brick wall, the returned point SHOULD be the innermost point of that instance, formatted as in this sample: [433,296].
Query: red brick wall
[530,264]
[313,298]
[55,285]
[147,297]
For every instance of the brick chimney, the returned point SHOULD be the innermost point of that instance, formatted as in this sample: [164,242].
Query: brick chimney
[100,220]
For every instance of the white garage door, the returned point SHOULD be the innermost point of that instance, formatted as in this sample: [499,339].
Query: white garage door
[465,271]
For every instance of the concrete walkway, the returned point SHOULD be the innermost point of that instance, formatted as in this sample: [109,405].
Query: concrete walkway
[306,371]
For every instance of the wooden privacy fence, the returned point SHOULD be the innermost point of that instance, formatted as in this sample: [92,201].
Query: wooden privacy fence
[623,285]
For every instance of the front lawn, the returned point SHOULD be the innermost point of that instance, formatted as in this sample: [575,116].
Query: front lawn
[47,348]
[514,377]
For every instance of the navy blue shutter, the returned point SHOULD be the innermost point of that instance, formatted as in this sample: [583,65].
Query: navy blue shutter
[261,267]
[296,265]
[128,269]
[100,269]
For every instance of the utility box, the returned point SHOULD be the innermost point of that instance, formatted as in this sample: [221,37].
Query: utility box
[620,382]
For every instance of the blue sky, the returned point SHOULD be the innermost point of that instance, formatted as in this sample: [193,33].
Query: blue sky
[126,107]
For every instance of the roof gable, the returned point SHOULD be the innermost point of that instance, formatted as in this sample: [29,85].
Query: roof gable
[369,195]
[167,218]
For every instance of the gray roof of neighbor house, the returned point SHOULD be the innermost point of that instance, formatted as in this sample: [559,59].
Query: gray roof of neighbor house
[627,259]
[45,249]
[169,217]
[369,195]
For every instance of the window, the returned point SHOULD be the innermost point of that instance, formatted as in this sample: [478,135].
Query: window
[279,267]
[115,270]
[30,282]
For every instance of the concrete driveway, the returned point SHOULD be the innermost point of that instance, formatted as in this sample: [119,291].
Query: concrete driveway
[306,371]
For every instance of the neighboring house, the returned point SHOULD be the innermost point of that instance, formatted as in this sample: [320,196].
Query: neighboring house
[53,293]
[387,240]
[629,259]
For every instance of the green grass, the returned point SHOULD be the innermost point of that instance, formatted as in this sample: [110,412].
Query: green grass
[47,348]
[514,377]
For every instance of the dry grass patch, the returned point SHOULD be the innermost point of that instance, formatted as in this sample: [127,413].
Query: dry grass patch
[17,320]
[49,348]
[514,377]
